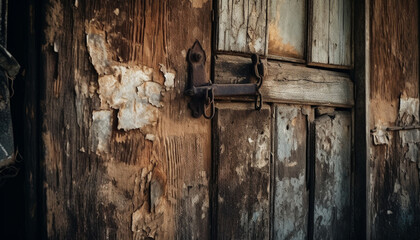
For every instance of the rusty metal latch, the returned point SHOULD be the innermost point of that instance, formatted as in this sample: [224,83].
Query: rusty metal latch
[202,91]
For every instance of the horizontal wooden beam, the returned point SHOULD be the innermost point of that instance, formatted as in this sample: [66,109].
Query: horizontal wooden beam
[290,83]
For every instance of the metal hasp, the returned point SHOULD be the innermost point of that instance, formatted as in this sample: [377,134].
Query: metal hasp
[203,92]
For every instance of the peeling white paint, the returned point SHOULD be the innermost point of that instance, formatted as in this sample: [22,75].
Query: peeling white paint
[99,56]
[126,88]
[409,111]
[129,91]
[262,148]
[117,11]
[380,137]
[150,137]
[101,130]
[169,75]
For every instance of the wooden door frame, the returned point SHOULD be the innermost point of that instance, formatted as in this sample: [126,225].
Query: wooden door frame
[361,75]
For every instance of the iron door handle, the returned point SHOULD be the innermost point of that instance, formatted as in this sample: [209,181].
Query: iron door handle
[203,92]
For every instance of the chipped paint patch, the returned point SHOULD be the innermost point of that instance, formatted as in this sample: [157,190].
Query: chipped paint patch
[169,75]
[408,112]
[150,137]
[261,155]
[380,137]
[101,130]
[129,89]
[408,115]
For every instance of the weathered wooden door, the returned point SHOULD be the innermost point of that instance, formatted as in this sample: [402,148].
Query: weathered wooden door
[122,157]
[284,172]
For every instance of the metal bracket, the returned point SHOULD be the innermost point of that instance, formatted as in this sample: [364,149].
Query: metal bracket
[203,92]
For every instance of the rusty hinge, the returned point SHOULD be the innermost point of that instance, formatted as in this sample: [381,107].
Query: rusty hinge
[203,92]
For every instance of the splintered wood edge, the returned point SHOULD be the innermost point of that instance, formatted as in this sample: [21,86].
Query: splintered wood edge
[290,83]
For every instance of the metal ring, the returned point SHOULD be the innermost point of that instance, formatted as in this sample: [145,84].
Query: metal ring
[258,101]
[209,101]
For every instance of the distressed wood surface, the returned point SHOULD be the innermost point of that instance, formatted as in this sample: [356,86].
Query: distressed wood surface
[330,32]
[242,26]
[287,28]
[242,153]
[290,196]
[394,85]
[121,157]
[332,176]
[289,82]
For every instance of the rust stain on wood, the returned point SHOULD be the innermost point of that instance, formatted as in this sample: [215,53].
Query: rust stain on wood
[276,46]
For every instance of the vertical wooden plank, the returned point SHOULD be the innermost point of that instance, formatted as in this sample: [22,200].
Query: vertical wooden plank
[290,200]
[334,30]
[242,151]
[287,28]
[346,46]
[394,81]
[332,176]
[101,180]
[242,26]
[319,26]
[339,44]
[330,32]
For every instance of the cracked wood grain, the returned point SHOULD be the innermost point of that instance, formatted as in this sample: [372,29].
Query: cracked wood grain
[242,26]
[330,37]
[290,83]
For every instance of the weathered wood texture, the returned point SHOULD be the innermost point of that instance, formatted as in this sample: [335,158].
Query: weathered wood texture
[289,82]
[242,26]
[330,32]
[242,153]
[394,93]
[332,176]
[122,158]
[290,196]
[287,28]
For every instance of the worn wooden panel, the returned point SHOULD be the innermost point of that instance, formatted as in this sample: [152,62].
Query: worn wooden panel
[242,164]
[287,28]
[394,85]
[290,196]
[319,26]
[289,82]
[242,26]
[332,176]
[330,32]
[121,157]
